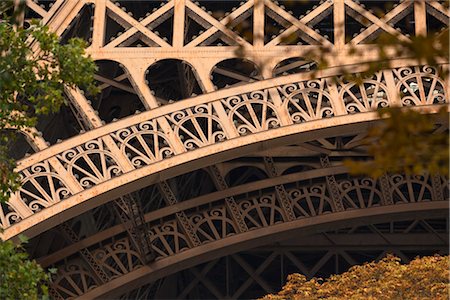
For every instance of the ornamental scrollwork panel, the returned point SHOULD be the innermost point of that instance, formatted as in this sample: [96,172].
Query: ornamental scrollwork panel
[261,212]
[360,193]
[8,215]
[118,258]
[307,101]
[251,112]
[90,163]
[213,225]
[73,280]
[167,239]
[411,188]
[42,186]
[143,143]
[310,201]
[197,126]
[368,95]
[420,85]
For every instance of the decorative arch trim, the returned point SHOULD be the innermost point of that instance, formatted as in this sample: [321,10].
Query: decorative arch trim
[241,131]
[254,238]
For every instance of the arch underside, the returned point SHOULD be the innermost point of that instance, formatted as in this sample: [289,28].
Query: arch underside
[81,173]
[247,106]
[195,222]
[252,273]
[234,169]
[350,241]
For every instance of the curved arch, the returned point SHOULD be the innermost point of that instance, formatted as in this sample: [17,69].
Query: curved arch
[236,176]
[115,87]
[293,65]
[114,187]
[212,220]
[234,71]
[117,186]
[116,175]
[183,80]
[188,258]
[190,204]
[265,265]
[285,82]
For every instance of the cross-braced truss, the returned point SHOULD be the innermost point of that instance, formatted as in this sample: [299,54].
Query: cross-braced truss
[213,135]
[253,273]
[166,140]
[242,203]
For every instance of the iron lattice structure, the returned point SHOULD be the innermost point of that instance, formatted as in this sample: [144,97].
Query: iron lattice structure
[211,164]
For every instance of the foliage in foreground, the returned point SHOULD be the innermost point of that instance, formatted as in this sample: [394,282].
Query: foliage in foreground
[407,141]
[20,278]
[32,81]
[423,278]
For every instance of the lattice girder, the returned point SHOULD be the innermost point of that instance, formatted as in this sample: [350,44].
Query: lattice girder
[105,160]
[132,272]
[253,273]
[212,221]
[252,116]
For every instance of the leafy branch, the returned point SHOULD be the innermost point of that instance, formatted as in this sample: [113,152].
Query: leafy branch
[32,80]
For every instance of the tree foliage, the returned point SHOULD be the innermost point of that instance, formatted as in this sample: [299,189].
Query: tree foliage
[20,278]
[423,278]
[431,50]
[405,142]
[34,70]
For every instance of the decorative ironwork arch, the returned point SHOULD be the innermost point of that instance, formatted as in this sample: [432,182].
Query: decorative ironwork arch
[251,126]
[109,163]
[216,245]
[215,223]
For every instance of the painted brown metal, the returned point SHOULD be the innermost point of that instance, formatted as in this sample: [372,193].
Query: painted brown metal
[248,119]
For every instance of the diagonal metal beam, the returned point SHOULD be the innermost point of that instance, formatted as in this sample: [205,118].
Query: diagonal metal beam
[254,274]
[97,270]
[198,277]
[332,185]
[181,216]
[121,17]
[130,213]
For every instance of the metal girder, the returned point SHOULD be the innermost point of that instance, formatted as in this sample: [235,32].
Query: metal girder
[181,217]
[100,166]
[120,148]
[332,185]
[267,267]
[130,213]
[280,190]
[230,202]
[297,189]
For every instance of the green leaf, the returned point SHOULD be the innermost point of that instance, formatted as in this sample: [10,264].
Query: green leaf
[23,239]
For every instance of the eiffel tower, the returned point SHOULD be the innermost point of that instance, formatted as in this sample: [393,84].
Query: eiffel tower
[210,166]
